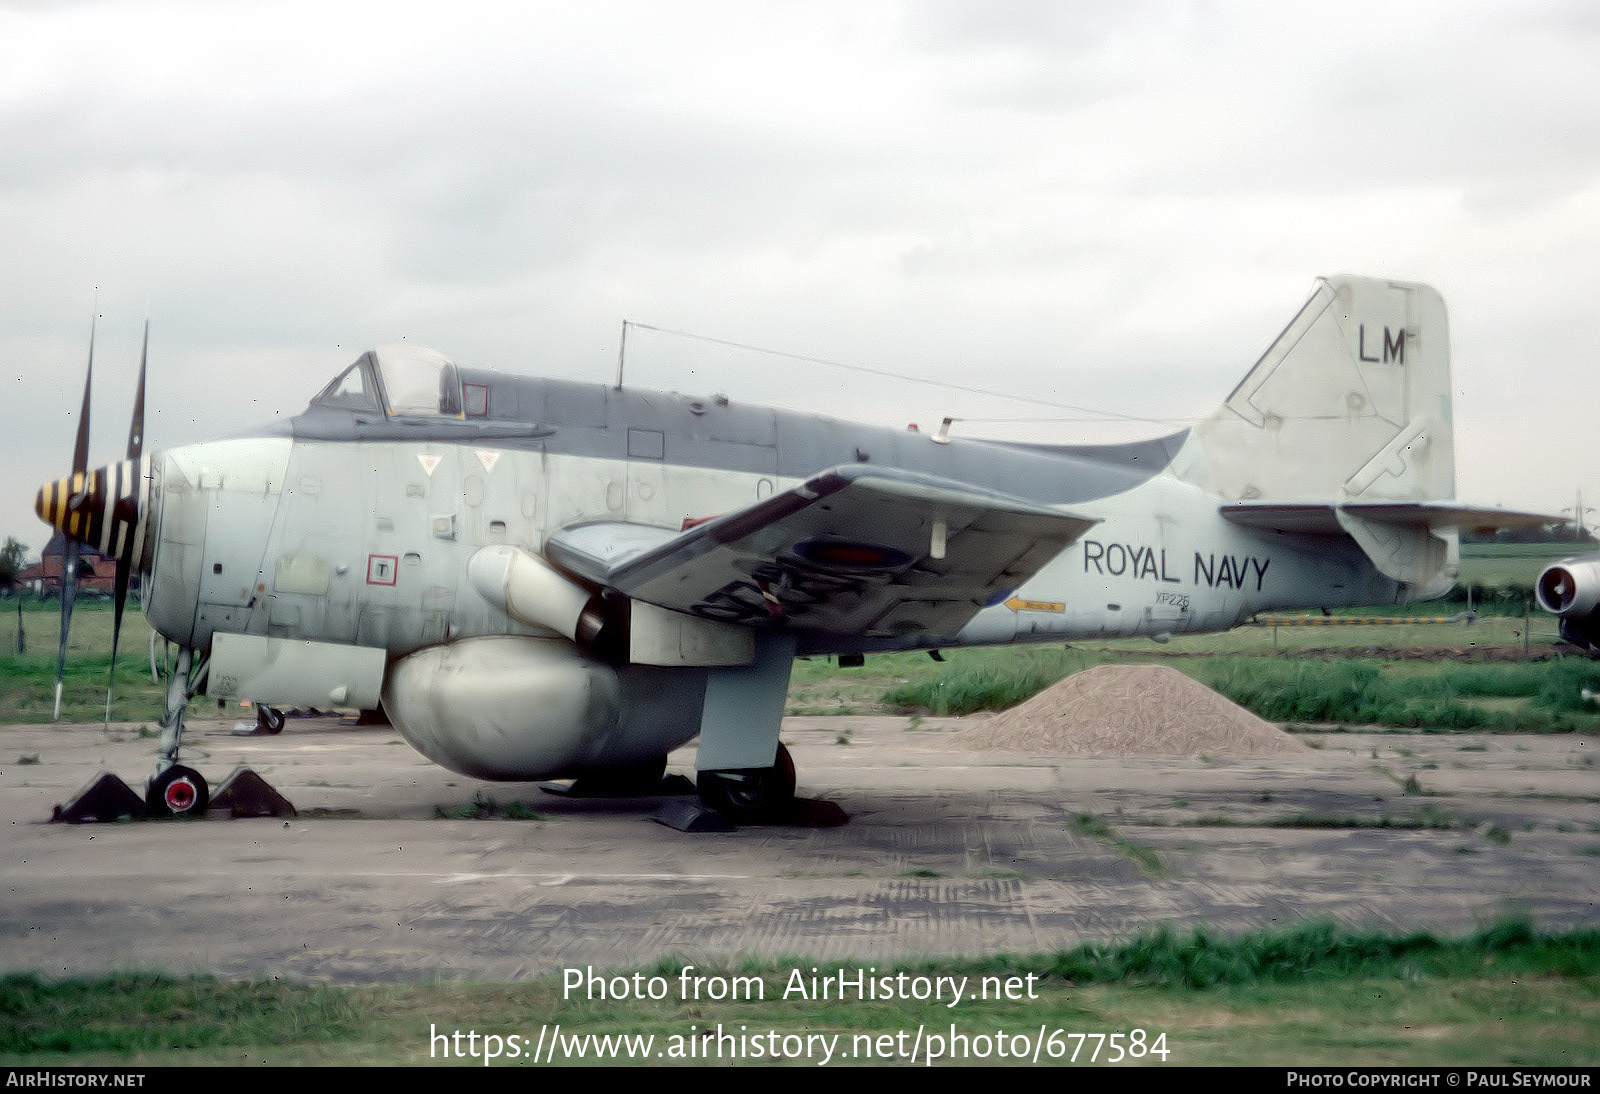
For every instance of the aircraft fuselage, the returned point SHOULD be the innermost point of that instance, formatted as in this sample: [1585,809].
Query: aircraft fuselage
[342,532]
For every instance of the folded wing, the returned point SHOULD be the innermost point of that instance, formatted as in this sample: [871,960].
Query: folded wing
[855,550]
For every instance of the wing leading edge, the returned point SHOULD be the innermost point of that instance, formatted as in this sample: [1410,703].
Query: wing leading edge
[854,550]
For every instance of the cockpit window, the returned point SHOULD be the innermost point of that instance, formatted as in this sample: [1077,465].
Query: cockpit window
[352,390]
[400,381]
[419,383]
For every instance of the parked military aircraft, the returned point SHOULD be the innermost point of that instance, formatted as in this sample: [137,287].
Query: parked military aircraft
[540,578]
[1571,590]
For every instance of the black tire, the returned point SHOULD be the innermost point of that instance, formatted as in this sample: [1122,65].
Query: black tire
[269,719]
[177,792]
[757,794]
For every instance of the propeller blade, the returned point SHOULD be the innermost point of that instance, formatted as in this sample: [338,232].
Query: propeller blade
[124,570]
[125,555]
[69,562]
[69,593]
[136,430]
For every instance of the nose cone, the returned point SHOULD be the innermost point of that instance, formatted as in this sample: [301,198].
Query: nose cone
[104,508]
[64,506]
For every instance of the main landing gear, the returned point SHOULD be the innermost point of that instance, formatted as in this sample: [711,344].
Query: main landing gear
[752,795]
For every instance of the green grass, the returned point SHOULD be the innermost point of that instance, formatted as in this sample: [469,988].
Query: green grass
[1204,959]
[1492,696]
[1420,684]
[133,1014]
[1507,569]
[1315,994]
[1434,696]
[987,682]
[1145,858]
[27,680]
[1427,818]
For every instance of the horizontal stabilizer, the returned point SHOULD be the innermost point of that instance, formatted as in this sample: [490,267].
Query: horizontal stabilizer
[1415,543]
[854,550]
[1311,518]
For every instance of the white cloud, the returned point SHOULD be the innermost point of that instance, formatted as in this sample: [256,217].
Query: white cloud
[1110,204]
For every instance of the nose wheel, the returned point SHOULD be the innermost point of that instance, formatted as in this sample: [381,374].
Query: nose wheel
[177,792]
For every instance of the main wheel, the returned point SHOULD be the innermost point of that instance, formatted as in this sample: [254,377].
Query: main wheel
[754,794]
[269,719]
[177,792]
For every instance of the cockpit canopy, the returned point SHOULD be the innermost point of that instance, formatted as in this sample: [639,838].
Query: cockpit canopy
[397,381]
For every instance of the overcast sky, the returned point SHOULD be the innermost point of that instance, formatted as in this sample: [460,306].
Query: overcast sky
[1116,205]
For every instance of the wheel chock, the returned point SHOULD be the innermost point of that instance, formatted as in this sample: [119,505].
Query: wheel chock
[598,786]
[690,816]
[812,813]
[103,799]
[695,816]
[246,794]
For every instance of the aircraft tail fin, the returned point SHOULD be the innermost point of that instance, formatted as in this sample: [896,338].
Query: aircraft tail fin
[1350,404]
[1347,412]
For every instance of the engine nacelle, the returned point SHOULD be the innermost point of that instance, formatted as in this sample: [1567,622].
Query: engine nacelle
[517,708]
[1571,590]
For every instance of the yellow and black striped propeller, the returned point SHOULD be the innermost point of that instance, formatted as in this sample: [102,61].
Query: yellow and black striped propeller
[104,509]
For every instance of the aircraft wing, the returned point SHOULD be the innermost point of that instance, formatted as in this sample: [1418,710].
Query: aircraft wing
[855,550]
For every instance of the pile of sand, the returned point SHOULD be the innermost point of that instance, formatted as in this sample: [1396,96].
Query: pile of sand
[1128,710]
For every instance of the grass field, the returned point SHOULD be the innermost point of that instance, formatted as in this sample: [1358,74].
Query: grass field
[1438,674]
[1450,676]
[1502,575]
[27,679]
[1314,995]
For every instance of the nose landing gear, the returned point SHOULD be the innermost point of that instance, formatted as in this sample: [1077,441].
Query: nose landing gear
[177,792]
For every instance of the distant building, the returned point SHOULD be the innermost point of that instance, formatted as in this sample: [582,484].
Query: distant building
[96,572]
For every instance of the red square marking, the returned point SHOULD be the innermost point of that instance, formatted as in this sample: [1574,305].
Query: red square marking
[382,569]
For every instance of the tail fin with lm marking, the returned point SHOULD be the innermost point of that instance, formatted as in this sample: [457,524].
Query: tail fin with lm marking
[1344,427]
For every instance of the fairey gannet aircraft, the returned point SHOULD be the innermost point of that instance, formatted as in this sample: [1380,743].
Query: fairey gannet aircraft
[540,578]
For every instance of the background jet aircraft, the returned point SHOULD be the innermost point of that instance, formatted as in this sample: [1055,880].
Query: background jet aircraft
[540,578]
[1571,590]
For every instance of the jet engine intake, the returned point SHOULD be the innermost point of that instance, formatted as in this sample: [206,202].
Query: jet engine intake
[1571,590]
